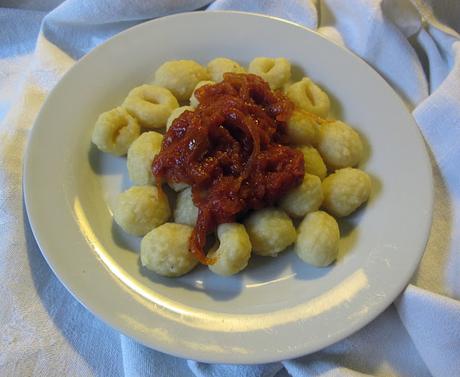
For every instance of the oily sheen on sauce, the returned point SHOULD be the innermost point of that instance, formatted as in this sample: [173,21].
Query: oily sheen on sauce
[231,150]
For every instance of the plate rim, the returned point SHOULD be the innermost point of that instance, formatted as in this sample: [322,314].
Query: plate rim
[206,357]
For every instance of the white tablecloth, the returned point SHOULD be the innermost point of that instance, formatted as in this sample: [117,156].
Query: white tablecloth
[413,43]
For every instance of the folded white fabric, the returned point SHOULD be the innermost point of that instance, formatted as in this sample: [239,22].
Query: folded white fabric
[412,43]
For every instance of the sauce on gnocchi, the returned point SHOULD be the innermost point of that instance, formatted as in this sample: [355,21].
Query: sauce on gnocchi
[254,160]
[230,150]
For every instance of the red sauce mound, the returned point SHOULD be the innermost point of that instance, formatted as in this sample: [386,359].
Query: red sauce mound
[230,150]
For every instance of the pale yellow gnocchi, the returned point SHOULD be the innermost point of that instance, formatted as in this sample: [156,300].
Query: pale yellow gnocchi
[304,198]
[345,191]
[180,77]
[314,164]
[140,209]
[318,239]
[164,250]
[276,71]
[308,96]
[301,128]
[218,66]
[339,145]
[185,212]
[270,231]
[234,250]
[151,105]
[114,131]
[140,156]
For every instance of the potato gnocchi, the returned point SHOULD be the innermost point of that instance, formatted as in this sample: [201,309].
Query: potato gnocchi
[140,209]
[275,71]
[304,198]
[180,77]
[218,66]
[308,96]
[270,231]
[140,157]
[345,190]
[234,250]
[332,184]
[339,145]
[115,131]
[151,105]
[164,250]
[318,239]
[185,212]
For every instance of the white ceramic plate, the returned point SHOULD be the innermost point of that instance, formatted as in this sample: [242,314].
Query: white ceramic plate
[277,308]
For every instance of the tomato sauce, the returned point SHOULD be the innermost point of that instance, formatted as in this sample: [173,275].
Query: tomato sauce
[231,151]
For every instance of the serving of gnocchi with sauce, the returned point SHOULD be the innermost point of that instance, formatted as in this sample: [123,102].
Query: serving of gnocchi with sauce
[302,220]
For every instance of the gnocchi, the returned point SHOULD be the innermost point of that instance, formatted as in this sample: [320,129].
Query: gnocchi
[318,239]
[164,250]
[185,212]
[151,105]
[114,131]
[234,250]
[314,164]
[270,231]
[308,96]
[276,71]
[140,156]
[328,146]
[302,128]
[140,209]
[304,198]
[339,145]
[180,77]
[345,191]
[218,66]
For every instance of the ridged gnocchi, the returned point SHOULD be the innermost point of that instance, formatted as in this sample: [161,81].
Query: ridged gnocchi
[140,156]
[276,71]
[180,77]
[164,250]
[339,145]
[140,209]
[345,191]
[270,231]
[308,96]
[151,105]
[218,66]
[318,239]
[114,131]
[304,198]
[234,249]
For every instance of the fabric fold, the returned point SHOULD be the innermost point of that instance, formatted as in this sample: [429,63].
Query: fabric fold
[77,26]
[433,323]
